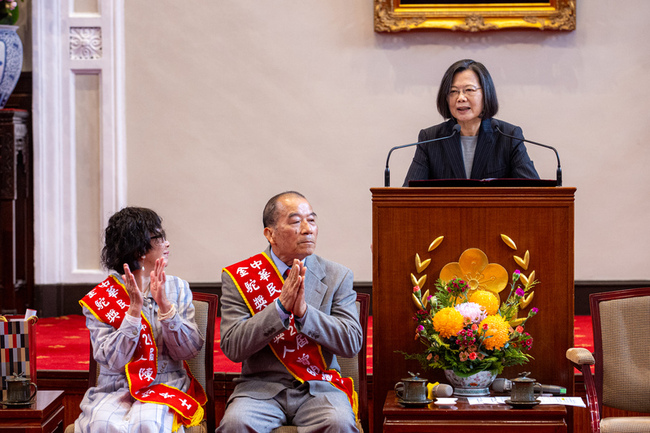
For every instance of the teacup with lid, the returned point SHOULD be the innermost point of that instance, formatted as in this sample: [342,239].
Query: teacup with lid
[19,389]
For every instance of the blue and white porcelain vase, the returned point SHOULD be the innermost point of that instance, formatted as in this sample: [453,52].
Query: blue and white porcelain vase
[11,61]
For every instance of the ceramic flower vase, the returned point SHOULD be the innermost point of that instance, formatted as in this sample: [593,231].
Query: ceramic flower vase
[11,61]
[472,386]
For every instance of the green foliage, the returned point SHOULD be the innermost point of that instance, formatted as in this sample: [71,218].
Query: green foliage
[9,12]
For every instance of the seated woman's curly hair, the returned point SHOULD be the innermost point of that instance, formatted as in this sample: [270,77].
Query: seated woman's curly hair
[128,237]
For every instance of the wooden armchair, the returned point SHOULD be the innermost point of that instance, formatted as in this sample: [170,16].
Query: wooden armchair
[353,367]
[621,379]
[201,366]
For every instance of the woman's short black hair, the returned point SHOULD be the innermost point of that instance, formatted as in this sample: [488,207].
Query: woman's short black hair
[490,102]
[128,237]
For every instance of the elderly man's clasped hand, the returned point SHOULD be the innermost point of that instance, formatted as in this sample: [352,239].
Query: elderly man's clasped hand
[292,297]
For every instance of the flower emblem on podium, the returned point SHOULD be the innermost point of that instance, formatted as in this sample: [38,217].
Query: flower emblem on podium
[474,268]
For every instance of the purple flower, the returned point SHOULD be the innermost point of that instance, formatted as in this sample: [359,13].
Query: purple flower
[520,292]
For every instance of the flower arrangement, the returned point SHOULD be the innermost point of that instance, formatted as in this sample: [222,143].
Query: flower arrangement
[469,331]
[9,12]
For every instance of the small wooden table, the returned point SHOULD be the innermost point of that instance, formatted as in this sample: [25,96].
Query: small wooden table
[45,415]
[466,418]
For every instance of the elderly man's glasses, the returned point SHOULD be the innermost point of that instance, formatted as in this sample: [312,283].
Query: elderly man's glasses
[467,91]
[160,237]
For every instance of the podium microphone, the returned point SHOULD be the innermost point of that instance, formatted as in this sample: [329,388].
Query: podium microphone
[387,171]
[503,385]
[495,125]
[435,390]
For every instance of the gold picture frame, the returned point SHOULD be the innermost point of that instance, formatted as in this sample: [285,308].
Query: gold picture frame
[474,16]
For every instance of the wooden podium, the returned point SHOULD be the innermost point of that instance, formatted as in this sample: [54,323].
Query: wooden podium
[406,221]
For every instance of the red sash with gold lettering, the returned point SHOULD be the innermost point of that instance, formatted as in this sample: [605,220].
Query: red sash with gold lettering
[260,284]
[109,302]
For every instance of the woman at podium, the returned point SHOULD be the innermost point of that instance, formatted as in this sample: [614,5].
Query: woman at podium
[473,149]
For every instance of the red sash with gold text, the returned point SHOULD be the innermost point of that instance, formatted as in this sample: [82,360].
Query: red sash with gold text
[109,302]
[260,284]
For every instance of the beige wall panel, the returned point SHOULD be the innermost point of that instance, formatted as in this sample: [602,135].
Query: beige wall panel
[231,102]
[87,151]
[86,6]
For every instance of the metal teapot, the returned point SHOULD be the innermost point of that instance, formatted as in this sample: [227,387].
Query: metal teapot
[524,388]
[19,389]
[412,389]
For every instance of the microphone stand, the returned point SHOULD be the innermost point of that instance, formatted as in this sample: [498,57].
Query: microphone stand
[558,173]
[387,170]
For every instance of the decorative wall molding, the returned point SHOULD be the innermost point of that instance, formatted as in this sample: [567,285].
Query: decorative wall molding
[85,43]
[68,44]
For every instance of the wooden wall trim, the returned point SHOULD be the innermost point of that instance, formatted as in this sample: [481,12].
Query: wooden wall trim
[52,300]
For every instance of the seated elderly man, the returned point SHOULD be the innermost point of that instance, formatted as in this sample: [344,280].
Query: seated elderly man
[287,331]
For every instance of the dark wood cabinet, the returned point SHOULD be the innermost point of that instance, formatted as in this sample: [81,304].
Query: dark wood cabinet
[16,212]
[44,415]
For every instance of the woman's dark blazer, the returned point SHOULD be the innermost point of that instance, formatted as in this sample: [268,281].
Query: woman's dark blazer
[496,156]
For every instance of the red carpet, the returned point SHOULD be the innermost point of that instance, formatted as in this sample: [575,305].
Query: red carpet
[62,343]
[582,332]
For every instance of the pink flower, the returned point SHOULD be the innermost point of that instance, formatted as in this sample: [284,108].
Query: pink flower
[471,311]
[472,356]
[520,329]
[416,289]
[462,356]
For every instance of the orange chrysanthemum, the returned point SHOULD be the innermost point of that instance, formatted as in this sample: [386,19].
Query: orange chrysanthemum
[487,300]
[497,331]
[448,322]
